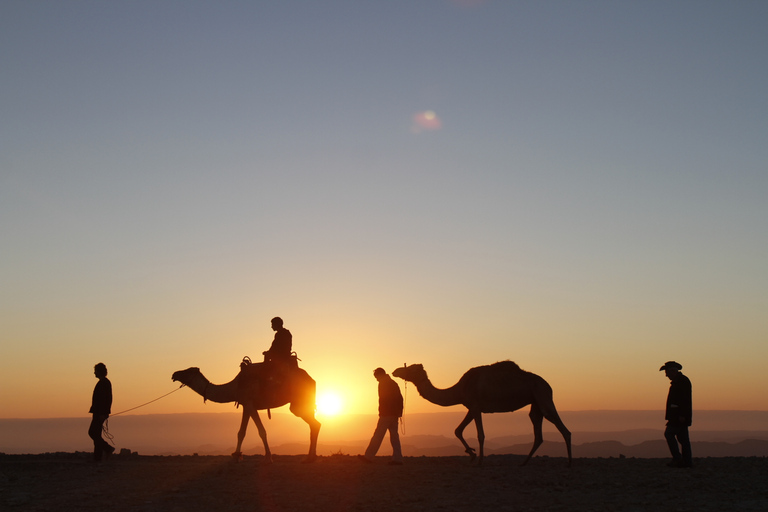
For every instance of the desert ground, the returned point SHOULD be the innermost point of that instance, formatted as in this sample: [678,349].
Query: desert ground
[130,482]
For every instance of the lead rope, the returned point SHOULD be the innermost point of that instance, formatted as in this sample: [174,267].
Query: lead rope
[105,432]
[402,418]
[105,426]
[147,403]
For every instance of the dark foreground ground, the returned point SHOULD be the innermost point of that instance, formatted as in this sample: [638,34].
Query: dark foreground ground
[53,482]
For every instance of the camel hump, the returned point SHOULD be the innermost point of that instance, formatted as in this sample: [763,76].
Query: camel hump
[507,366]
[504,375]
[500,368]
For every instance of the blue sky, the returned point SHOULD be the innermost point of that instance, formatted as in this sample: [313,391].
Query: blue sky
[174,174]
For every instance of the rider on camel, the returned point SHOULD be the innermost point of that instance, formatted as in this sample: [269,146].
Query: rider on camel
[280,351]
[278,360]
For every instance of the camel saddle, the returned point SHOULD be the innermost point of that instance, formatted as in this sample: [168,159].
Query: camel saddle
[274,376]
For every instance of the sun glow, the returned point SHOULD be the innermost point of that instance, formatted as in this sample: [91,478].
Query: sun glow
[329,403]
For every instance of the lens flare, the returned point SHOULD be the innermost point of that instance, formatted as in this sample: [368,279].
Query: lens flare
[426,120]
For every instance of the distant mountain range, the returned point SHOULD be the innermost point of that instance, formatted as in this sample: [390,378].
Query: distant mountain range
[756,445]
[646,449]
[595,434]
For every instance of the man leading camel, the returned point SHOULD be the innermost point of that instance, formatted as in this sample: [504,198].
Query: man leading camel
[101,408]
[390,411]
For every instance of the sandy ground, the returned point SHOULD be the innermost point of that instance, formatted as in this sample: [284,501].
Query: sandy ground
[54,482]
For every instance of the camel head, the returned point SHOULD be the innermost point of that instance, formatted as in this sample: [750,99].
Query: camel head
[414,373]
[186,376]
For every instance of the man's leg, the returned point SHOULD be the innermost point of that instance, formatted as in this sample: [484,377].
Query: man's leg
[394,438]
[671,436]
[685,443]
[94,432]
[378,436]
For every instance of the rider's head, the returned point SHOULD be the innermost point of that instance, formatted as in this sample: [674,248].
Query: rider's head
[277,323]
[100,370]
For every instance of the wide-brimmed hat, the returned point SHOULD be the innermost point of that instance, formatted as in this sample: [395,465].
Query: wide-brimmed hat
[672,365]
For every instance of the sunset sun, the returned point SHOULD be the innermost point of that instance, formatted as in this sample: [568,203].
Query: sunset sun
[329,403]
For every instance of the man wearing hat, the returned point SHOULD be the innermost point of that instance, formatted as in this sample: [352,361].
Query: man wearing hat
[679,413]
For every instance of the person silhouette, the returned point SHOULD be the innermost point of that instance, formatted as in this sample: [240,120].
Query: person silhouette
[278,360]
[280,350]
[679,415]
[101,408]
[390,410]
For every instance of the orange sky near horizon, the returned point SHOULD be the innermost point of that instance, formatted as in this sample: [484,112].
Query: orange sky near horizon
[342,365]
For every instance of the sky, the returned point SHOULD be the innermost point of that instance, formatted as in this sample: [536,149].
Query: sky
[579,187]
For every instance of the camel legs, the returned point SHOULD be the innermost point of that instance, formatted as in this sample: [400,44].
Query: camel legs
[262,434]
[308,415]
[480,436]
[249,413]
[537,416]
[478,419]
[553,417]
[314,431]
[238,454]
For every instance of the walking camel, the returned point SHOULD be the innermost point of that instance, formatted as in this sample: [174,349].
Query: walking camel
[248,389]
[500,387]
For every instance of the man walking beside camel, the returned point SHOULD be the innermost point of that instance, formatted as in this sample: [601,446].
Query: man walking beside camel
[390,411]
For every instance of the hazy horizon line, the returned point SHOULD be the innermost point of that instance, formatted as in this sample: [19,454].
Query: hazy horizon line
[352,414]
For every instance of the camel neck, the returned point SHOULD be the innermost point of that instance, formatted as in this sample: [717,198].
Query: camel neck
[219,393]
[442,397]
